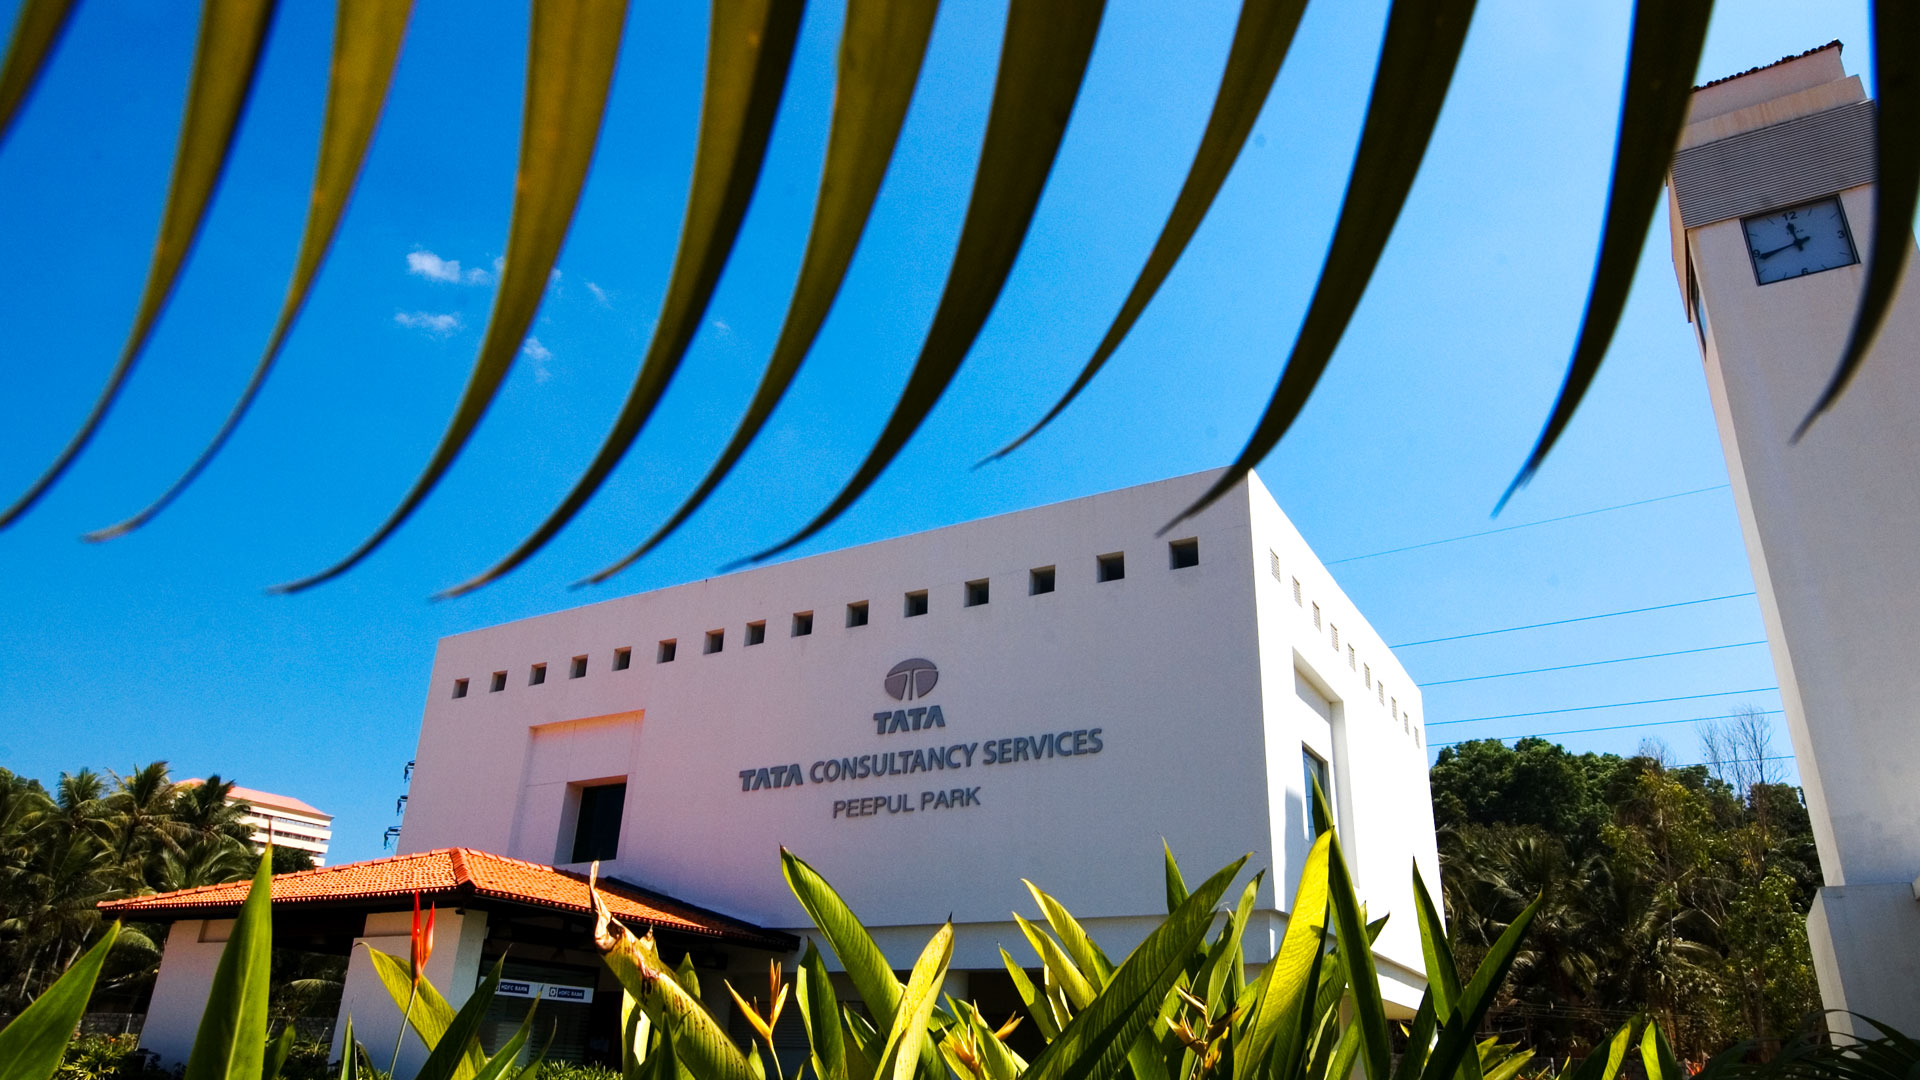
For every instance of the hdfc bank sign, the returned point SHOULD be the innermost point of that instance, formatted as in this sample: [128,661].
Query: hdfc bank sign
[906,682]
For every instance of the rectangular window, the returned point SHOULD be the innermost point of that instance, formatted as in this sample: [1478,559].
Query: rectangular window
[459,688]
[976,592]
[1296,592]
[1382,687]
[1366,675]
[1273,563]
[1316,616]
[716,640]
[499,682]
[1039,580]
[536,674]
[916,603]
[1183,553]
[1352,658]
[802,623]
[622,659]
[1336,636]
[667,649]
[579,669]
[756,632]
[596,832]
[857,613]
[1111,567]
[1316,773]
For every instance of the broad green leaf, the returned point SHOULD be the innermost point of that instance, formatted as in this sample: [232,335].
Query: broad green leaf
[1667,38]
[699,1044]
[231,1042]
[366,44]
[504,1059]
[430,1014]
[1079,991]
[1096,1044]
[635,1033]
[1176,885]
[1339,1064]
[881,50]
[36,30]
[862,960]
[1000,1062]
[1292,973]
[1419,1038]
[1896,88]
[1511,1064]
[1417,58]
[1219,964]
[862,1060]
[1043,56]
[749,48]
[1455,1044]
[1260,43]
[224,61]
[1657,1056]
[571,50]
[277,1052]
[901,1056]
[447,1058]
[1442,976]
[349,1054]
[1086,953]
[1035,1002]
[813,993]
[1606,1066]
[32,1045]
[689,978]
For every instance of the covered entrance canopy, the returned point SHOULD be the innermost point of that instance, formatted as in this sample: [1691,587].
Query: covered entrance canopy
[489,905]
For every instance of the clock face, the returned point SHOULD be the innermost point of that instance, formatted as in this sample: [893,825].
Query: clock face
[1799,241]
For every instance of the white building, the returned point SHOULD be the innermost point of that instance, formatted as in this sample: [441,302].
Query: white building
[286,821]
[1048,694]
[1772,204]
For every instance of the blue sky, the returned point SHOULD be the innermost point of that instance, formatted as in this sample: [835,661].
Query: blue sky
[164,645]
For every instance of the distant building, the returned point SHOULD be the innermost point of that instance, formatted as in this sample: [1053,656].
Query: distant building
[289,822]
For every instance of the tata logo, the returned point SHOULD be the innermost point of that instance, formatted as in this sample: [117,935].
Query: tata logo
[910,679]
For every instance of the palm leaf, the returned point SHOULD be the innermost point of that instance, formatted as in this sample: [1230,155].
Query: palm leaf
[225,59]
[1043,58]
[571,51]
[32,1045]
[36,30]
[881,51]
[366,45]
[1260,43]
[1896,88]
[231,1041]
[749,49]
[1667,38]
[1417,59]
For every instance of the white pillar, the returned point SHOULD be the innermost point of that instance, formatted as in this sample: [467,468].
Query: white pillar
[180,991]
[454,970]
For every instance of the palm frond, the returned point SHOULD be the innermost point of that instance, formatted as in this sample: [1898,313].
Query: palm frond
[36,30]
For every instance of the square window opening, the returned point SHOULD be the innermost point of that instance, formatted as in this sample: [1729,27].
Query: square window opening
[1183,553]
[536,674]
[1111,567]
[857,613]
[916,603]
[1039,580]
[977,592]
[499,682]
[716,640]
[596,831]
[579,669]
[622,659]
[802,623]
[667,649]
[756,632]
[459,688]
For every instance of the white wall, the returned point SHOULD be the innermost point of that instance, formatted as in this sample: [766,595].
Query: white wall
[1167,663]
[191,953]
[454,970]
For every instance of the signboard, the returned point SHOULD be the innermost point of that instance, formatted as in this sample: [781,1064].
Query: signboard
[523,988]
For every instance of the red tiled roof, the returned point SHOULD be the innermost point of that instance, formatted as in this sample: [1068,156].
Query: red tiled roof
[452,872]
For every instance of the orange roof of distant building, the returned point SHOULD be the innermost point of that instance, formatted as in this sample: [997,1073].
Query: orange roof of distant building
[1835,44]
[269,800]
[457,874]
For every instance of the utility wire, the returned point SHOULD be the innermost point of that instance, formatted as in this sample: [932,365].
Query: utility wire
[1527,524]
[1609,727]
[1610,705]
[1594,663]
[1582,618]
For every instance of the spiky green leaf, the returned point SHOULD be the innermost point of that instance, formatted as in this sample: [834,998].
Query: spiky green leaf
[430,1015]
[36,30]
[32,1045]
[231,1041]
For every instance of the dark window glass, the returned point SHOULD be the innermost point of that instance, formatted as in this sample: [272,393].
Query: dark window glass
[1316,770]
[597,835]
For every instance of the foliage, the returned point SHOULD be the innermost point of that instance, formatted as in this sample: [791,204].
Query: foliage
[1663,891]
[109,1057]
[573,50]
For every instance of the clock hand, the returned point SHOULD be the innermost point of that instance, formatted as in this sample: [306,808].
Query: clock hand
[1778,250]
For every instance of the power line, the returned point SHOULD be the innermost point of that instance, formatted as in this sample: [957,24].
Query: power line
[1527,524]
[1594,663]
[1609,727]
[1610,705]
[1582,618]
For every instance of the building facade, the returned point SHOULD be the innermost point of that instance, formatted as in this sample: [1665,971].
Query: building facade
[1772,208]
[286,821]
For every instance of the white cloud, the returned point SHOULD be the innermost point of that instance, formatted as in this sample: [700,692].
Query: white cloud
[539,354]
[426,264]
[721,326]
[437,325]
[599,294]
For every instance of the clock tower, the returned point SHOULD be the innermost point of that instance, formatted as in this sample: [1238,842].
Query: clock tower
[1771,200]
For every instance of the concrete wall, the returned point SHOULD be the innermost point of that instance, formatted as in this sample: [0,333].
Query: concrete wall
[191,953]
[1180,670]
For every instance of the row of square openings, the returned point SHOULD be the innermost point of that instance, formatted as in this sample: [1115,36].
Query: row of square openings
[1181,554]
[1378,686]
